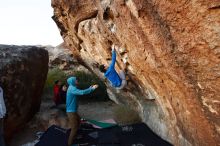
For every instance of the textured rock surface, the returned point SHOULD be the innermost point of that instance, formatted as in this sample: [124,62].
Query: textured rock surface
[173,52]
[23,71]
[61,57]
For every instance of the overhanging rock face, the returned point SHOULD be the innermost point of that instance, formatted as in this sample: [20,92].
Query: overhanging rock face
[172,49]
[23,71]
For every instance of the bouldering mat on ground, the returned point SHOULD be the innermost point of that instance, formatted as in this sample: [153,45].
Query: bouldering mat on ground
[101,124]
[54,136]
[129,135]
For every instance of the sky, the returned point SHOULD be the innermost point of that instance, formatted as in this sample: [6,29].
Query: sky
[28,22]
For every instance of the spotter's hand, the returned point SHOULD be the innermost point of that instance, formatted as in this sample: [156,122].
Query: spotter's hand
[95,86]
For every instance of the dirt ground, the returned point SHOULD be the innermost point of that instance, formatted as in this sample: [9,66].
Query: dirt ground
[90,110]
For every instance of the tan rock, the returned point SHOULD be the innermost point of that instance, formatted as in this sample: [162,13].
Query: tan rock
[173,54]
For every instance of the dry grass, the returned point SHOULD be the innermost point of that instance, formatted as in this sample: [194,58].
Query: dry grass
[124,115]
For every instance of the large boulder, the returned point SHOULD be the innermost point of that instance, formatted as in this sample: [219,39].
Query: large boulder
[172,49]
[23,71]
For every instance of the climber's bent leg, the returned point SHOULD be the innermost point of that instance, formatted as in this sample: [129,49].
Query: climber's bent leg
[123,78]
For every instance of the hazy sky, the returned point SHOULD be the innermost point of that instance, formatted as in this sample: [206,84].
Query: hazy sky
[28,22]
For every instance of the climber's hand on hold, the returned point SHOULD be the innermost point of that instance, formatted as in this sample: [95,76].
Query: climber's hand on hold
[116,48]
[113,47]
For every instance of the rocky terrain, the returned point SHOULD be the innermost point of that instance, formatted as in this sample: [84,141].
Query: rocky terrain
[23,71]
[172,49]
[61,57]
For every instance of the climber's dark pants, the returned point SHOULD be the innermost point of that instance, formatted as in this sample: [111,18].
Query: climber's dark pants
[74,123]
[2,142]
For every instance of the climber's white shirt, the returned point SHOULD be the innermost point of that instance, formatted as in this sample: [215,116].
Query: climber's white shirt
[2,104]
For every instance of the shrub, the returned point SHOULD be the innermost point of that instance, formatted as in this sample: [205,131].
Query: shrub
[87,79]
[124,115]
[53,75]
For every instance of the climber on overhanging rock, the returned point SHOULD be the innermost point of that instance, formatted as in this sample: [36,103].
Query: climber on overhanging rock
[117,80]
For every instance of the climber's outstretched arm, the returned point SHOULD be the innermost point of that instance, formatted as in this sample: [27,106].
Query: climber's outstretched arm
[112,65]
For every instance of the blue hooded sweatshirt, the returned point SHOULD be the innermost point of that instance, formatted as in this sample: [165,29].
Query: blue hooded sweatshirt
[111,73]
[72,92]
